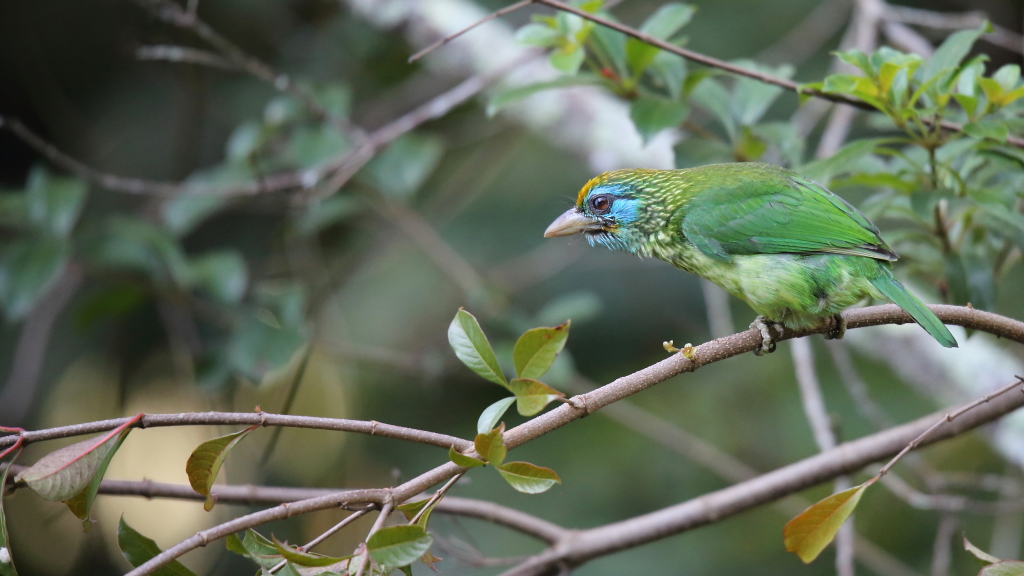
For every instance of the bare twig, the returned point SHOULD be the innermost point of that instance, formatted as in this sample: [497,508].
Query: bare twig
[371,427]
[825,437]
[385,510]
[184,54]
[943,547]
[30,351]
[1000,36]
[187,19]
[496,14]
[327,534]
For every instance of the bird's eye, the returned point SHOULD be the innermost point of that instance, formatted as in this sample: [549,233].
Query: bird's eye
[601,204]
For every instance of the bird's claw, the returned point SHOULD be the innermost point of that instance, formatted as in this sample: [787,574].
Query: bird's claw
[837,328]
[765,326]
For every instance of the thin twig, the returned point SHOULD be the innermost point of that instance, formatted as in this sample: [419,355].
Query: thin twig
[437,496]
[184,54]
[371,427]
[187,19]
[496,14]
[377,525]
[824,436]
[327,534]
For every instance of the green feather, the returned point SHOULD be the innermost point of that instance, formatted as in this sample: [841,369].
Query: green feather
[794,251]
[891,288]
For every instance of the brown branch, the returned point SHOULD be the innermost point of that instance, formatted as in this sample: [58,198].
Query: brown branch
[586,545]
[843,459]
[371,427]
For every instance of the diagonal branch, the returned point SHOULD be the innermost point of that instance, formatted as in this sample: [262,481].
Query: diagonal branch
[847,458]
[825,466]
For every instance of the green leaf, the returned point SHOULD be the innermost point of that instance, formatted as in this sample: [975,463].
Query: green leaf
[204,463]
[6,558]
[669,72]
[313,146]
[138,549]
[1007,76]
[323,214]
[222,274]
[64,473]
[667,20]
[822,171]
[28,268]
[713,97]
[254,546]
[137,245]
[265,339]
[987,128]
[652,113]
[952,51]
[504,97]
[537,348]
[411,509]
[956,279]
[307,559]
[81,503]
[54,203]
[244,141]
[537,34]
[813,529]
[472,348]
[567,59]
[528,478]
[858,59]
[404,166]
[532,395]
[613,45]
[1004,222]
[750,99]
[463,460]
[1004,568]
[581,306]
[492,414]
[398,545]
[184,212]
[490,446]
[968,103]
[978,553]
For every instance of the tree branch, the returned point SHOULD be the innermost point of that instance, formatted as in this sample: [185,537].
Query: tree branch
[371,427]
[847,458]
[843,459]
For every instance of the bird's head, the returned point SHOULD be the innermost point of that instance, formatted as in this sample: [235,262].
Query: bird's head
[606,211]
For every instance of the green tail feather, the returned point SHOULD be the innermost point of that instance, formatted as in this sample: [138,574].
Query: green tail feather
[889,286]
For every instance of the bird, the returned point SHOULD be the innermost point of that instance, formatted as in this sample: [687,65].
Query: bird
[797,253]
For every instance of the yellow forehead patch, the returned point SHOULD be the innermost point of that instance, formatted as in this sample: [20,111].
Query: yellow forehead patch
[586,188]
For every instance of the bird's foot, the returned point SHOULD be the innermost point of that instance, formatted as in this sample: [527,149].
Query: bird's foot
[837,328]
[765,327]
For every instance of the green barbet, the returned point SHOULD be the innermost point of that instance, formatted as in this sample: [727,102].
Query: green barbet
[797,253]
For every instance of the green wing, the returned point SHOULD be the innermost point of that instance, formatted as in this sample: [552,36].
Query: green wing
[775,212]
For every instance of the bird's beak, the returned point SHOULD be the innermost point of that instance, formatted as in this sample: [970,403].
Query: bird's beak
[572,222]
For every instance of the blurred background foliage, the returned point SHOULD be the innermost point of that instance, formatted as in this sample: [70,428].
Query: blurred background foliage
[116,303]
